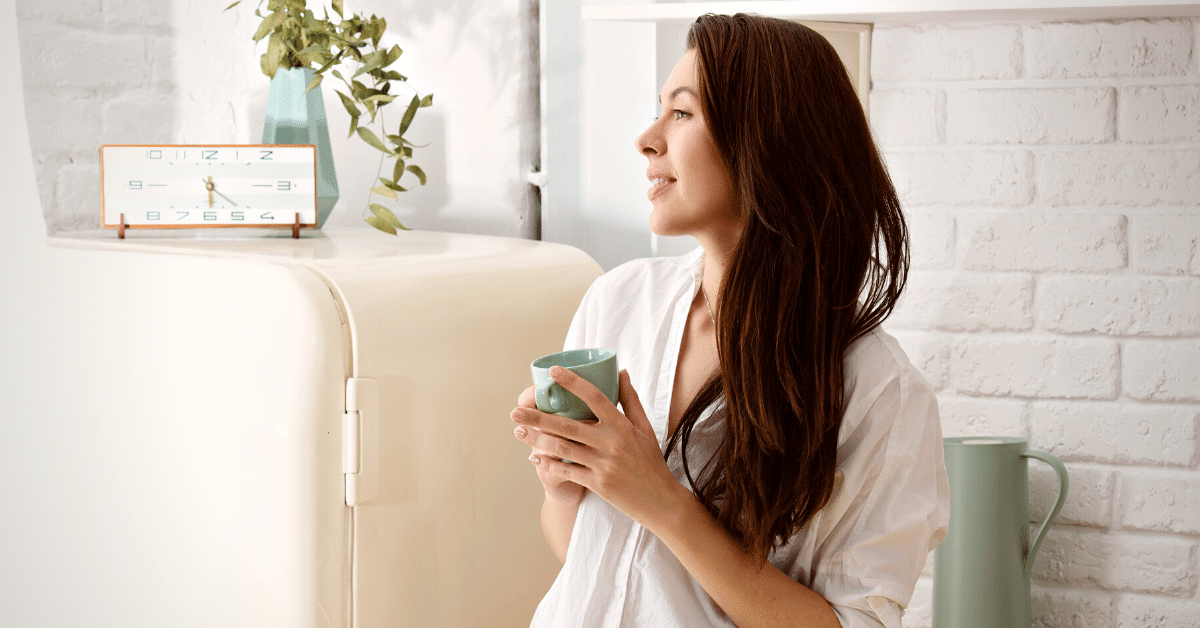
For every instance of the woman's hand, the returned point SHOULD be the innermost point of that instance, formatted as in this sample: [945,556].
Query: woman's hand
[617,456]
[557,488]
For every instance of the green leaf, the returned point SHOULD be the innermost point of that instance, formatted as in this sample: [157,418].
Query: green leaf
[348,103]
[385,192]
[339,75]
[371,61]
[408,115]
[370,105]
[269,24]
[232,5]
[392,185]
[393,75]
[379,98]
[398,170]
[338,7]
[387,215]
[370,138]
[427,101]
[408,151]
[392,55]
[315,82]
[415,169]
[380,224]
[353,126]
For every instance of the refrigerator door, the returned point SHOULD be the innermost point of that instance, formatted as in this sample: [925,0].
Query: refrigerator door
[447,529]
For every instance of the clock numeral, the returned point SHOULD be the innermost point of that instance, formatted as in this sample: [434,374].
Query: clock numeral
[209,154]
[237,216]
[210,215]
[266,216]
[135,185]
[154,154]
[152,216]
[284,186]
[182,214]
[266,154]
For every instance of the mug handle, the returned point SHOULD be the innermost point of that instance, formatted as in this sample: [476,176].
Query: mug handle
[1063,484]
[546,395]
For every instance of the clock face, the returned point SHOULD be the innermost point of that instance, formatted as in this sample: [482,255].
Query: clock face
[191,186]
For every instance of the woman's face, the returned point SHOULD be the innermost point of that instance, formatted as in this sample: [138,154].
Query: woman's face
[690,187]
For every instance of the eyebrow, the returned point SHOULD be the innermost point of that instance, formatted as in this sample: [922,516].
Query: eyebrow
[679,90]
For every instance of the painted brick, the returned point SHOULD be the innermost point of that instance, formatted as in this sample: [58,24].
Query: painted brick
[1162,371]
[1165,244]
[1117,562]
[92,60]
[931,236]
[1031,116]
[1099,49]
[956,301]
[983,177]
[77,195]
[139,14]
[981,416]
[907,117]
[1115,433]
[1168,113]
[1138,178]
[62,121]
[1044,242]
[1162,500]
[81,12]
[918,53]
[1119,306]
[928,353]
[1089,494]
[139,118]
[1035,367]
[163,73]
[1071,608]
[1140,611]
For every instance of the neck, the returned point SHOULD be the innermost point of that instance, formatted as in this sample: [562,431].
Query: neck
[716,260]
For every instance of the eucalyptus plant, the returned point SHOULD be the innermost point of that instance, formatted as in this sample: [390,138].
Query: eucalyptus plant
[296,38]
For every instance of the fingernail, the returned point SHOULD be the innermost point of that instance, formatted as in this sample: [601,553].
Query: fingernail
[536,460]
[557,371]
[522,433]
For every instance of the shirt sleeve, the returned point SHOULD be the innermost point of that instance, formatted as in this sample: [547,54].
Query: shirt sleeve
[895,499]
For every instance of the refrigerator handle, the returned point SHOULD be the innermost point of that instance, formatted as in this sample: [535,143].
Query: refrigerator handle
[360,440]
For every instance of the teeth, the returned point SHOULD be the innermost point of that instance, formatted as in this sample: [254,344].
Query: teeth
[657,181]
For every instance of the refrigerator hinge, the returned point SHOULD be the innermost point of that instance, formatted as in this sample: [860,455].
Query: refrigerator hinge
[360,440]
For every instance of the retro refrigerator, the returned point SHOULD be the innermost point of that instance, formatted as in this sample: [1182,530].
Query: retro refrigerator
[236,428]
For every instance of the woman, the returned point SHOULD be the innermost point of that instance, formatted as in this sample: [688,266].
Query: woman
[776,460]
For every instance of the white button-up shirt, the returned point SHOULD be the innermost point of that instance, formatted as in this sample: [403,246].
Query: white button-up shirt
[862,552]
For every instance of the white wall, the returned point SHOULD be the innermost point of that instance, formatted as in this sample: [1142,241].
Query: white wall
[1051,172]
[183,71]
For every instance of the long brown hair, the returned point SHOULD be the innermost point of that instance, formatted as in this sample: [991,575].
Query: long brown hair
[821,261]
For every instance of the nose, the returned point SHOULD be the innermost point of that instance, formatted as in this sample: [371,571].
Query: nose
[650,142]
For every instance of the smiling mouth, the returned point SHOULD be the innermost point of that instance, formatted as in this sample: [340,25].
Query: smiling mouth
[658,185]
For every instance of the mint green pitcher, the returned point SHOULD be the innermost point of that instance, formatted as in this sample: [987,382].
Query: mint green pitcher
[981,570]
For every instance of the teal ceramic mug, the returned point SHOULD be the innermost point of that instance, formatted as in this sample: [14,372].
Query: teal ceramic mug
[598,366]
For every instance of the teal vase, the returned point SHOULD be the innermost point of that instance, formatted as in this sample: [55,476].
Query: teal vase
[294,117]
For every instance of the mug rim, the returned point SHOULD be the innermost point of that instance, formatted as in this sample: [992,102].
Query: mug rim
[1005,441]
[605,354]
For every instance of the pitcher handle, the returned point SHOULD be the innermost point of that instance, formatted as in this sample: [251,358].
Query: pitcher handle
[1063,484]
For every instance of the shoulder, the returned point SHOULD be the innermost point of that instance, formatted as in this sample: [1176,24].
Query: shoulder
[650,274]
[882,385]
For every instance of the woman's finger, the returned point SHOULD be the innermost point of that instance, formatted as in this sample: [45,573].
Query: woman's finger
[585,390]
[526,398]
[569,429]
[551,445]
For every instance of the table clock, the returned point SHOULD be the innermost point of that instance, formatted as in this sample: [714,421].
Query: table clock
[190,186]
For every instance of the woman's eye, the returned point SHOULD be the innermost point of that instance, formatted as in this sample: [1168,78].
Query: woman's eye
[679,114]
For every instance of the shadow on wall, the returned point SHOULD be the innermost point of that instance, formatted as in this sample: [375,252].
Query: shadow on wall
[92,75]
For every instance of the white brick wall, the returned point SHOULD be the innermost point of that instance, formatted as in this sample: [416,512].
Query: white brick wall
[1051,173]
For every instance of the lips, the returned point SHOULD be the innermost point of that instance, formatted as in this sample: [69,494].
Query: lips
[658,185]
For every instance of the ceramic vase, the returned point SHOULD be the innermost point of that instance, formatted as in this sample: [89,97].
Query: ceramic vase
[296,117]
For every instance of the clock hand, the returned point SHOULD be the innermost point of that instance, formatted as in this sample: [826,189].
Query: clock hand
[213,188]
